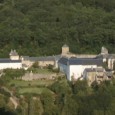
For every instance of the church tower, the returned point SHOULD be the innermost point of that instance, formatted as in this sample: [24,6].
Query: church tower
[104,51]
[14,55]
[65,49]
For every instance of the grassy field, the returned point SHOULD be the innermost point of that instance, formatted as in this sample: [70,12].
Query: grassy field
[34,86]
[21,83]
[41,71]
[34,90]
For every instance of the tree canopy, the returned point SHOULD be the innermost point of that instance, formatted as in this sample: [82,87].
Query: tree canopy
[41,27]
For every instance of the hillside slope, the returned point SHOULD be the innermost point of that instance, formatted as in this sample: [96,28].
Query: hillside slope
[41,27]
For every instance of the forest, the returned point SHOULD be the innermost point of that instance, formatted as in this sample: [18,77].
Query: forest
[41,27]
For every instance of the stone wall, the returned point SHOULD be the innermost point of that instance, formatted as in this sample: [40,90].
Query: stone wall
[32,76]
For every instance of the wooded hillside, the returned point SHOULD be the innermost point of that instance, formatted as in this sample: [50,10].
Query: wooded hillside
[41,27]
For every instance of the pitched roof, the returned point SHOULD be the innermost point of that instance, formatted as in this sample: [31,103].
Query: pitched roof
[81,61]
[25,57]
[7,60]
[13,52]
[65,45]
[63,60]
[45,58]
[94,70]
[107,56]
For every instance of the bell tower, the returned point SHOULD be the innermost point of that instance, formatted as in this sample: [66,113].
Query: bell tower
[14,55]
[65,49]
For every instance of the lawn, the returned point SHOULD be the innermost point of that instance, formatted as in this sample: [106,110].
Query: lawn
[41,71]
[21,83]
[34,90]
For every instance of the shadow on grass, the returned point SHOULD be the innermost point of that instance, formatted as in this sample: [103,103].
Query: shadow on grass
[4,112]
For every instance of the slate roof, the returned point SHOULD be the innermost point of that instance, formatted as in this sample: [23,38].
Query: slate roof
[47,58]
[109,73]
[63,60]
[81,61]
[25,57]
[13,52]
[65,45]
[43,58]
[7,60]
[94,70]
[107,56]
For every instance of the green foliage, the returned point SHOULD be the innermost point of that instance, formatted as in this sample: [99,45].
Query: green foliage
[12,74]
[35,65]
[48,104]
[65,98]
[3,111]
[80,86]
[36,107]
[95,85]
[70,106]
[114,66]
[50,67]
[103,98]
[61,87]
[2,101]
[35,28]
[6,93]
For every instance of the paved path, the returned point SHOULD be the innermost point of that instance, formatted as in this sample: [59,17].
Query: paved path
[13,100]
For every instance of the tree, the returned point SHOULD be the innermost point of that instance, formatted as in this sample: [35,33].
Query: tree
[35,65]
[114,66]
[47,100]
[80,86]
[70,106]
[103,98]
[37,107]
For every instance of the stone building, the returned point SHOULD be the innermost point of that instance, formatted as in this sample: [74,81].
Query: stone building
[104,50]
[94,75]
[14,55]
[53,60]
[109,59]
[43,61]
[66,52]
[74,67]
[65,49]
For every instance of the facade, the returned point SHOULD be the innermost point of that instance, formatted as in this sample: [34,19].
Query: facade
[42,61]
[53,60]
[12,64]
[74,67]
[65,49]
[107,58]
[94,74]
[111,62]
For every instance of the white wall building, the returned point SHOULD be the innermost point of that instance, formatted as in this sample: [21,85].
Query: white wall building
[74,67]
[8,63]
[13,62]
